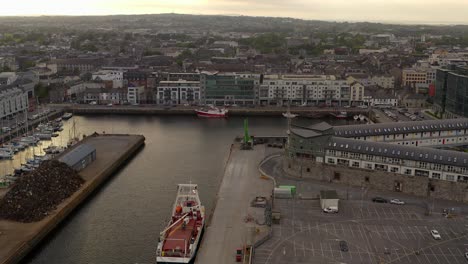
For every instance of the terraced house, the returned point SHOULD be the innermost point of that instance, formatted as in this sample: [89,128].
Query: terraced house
[393,153]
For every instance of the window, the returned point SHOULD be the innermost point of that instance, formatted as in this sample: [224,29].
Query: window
[381,167]
[394,169]
[355,164]
[369,166]
[436,176]
[331,161]
[450,177]
[408,171]
[422,173]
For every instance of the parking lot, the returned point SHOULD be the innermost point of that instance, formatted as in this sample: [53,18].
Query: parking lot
[379,233]
[374,232]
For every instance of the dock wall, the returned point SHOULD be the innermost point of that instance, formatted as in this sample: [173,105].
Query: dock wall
[72,202]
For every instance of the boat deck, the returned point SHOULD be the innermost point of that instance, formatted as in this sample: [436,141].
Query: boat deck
[179,237]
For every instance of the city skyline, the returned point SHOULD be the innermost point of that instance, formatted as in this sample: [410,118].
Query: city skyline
[401,12]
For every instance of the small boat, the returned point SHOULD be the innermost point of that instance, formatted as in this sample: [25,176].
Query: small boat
[179,241]
[43,135]
[6,154]
[341,115]
[58,119]
[29,140]
[289,115]
[53,149]
[67,116]
[212,112]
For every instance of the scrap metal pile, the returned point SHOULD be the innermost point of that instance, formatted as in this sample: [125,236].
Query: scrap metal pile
[37,193]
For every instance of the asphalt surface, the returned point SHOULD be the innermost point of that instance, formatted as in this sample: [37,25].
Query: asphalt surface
[229,225]
[374,232]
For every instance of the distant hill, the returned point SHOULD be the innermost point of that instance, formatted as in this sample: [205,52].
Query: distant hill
[180,23]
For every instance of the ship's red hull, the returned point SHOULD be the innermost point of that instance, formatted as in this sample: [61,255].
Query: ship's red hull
[211,115]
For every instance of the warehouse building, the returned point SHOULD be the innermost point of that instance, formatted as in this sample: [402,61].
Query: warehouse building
[80,157]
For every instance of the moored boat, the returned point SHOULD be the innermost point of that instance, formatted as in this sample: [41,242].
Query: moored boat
[179,241]
[67,116]
[212,112]
[340,115]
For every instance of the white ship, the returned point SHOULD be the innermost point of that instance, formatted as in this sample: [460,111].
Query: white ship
[179,241]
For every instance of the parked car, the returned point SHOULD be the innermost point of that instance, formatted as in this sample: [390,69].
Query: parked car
[379,200]
[93,103]
[343,246]
[330,210]
[397,201]
[110,105]
[435,234]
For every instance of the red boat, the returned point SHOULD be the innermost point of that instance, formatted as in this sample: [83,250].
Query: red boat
[212,112]
[179,241]
[341,115]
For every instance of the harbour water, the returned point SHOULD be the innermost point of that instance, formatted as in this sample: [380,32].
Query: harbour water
[121,222]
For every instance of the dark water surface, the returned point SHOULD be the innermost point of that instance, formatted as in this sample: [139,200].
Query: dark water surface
[121,222]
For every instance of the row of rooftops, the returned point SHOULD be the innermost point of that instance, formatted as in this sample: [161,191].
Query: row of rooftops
[399,127]
[424,154]
[382,128]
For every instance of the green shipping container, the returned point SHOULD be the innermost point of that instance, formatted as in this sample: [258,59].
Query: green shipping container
[289,187]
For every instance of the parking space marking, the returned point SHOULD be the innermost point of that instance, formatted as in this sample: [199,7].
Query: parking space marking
[456,256]
[329,245]
[403,232]
[434,255]
[443,253]
[294,247]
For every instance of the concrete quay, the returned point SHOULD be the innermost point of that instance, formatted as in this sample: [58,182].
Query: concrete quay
[227,228]
[112,151]
[314,112]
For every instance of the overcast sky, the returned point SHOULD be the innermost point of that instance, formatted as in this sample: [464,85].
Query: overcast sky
[399,11]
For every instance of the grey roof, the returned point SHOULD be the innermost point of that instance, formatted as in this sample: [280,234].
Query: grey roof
[305,133]
[439,156]
[400,127]
[76,155]
[322,126]
[328,194]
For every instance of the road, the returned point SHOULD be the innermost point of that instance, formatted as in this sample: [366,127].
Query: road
[227,230]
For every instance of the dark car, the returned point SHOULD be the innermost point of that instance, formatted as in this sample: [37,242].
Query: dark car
[343,246]
[379,200]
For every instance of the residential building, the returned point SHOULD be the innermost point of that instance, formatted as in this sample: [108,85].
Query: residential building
[135,94]
[357,93]
[224,88]
[387,82]
[305,89]
[375,96]
[105,96]
[385,156]
[421,73]
[116,77]
[13,100]
[178,92]
[76,92]
[7,78]
[81,65]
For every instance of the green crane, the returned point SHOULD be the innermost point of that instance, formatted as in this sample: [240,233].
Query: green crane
[246,132]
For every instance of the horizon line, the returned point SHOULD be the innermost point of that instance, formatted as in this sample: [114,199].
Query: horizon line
[387,22]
